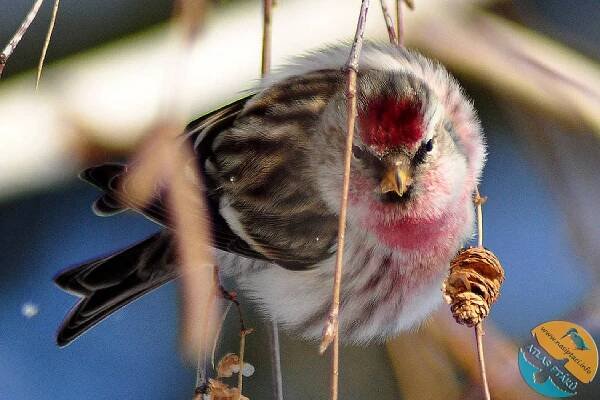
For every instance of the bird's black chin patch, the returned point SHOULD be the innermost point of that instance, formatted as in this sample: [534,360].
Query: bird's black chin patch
[394,198]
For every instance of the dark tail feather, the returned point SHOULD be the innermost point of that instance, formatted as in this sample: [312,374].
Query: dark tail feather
[105,177]
[109,283]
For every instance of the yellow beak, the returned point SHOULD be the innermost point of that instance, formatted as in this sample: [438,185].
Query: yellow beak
[397,178]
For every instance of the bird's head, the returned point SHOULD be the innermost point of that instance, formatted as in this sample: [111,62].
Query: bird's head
[396,142]
[407,158]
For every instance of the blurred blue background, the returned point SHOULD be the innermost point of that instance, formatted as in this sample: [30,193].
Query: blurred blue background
[133,354]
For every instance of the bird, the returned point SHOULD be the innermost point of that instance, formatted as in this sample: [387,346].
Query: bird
[272,168]
[576,338]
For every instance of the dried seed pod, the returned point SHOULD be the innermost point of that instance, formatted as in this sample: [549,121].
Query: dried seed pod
[230,364]
[473,285]
[225,368]
[221,391]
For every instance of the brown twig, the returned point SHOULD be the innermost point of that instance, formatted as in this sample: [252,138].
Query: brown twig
[479,202]
[149,162]
[388,22]
[14,41]
[201,378]
[479,337]
[192,234]
[243,334]
[161,163]
[218,333]
[479,332]
[331,331]
[232,297]
[267,37]
[191,15]
[277,380]
[46,43]
[400,21]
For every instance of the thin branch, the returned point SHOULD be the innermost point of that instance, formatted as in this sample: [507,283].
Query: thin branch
[267,37]
[46,43]
[232,297]
[199,281]
[14,41]
[388,22]
[191,15]
[331,331]
[243,334]
[400,21]
[201,373]
[218,333]
[160,165]
[479,202]
[149,162]
[479,337]
[352,68]
[479,332]
[277,380]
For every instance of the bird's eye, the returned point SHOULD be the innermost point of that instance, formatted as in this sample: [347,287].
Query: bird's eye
[429,145]
[357,152]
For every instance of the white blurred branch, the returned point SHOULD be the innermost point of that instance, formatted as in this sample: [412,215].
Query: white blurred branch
[108,98]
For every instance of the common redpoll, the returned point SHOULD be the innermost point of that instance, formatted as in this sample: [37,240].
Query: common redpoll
[273,167]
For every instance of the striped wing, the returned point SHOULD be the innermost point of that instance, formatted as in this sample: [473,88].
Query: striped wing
[260,169]
[253,157]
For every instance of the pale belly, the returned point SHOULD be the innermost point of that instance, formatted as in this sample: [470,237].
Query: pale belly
[384,291]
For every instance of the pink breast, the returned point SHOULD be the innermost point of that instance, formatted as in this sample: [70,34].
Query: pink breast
[421,234]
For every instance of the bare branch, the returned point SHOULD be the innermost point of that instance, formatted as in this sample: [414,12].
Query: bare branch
[400,21]
[162,162]
[267,36]
[479,337]
[388,22]
[243,334]
[479,202]
[207,330]
[218,333]
[46,43]
[14,41]
[199,283]
[331,331]
[190,14]
[479,332]
[277,381]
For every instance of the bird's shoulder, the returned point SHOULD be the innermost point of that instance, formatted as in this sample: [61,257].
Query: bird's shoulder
[256,157]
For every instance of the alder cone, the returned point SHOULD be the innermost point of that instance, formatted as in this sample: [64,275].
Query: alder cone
[473,284]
